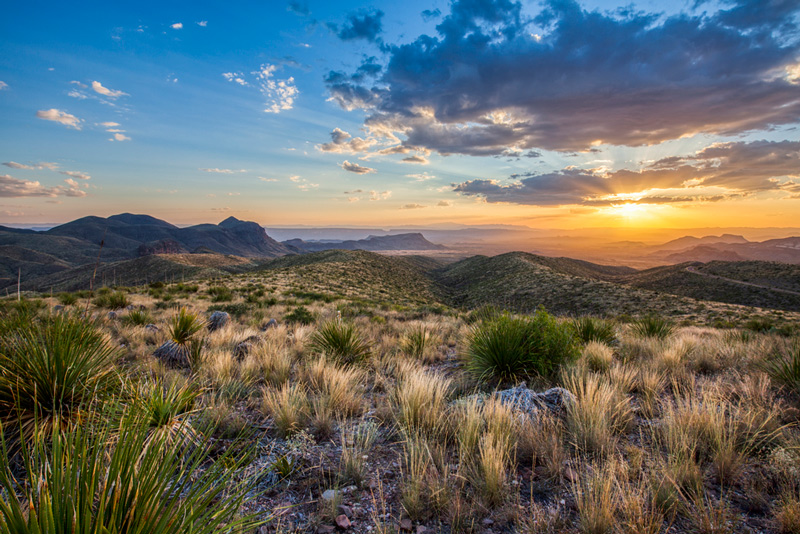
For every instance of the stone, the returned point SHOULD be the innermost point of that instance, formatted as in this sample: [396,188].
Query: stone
[405,525]
[272,323]
[330,494]
[218,320]
[523,399]
[346,510]
[422,529]
[58,308]
[243,347]
[151,327]
[342,522]
[326,529]
[112,316]
[173,354]
[488,522]
[571,475]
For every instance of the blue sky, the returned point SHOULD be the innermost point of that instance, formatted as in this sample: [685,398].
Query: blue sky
[365,113]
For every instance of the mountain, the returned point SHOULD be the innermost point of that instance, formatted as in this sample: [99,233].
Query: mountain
[410,241]
[691,241]
[785,250]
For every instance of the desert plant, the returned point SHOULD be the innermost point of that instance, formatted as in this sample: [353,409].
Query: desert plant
[167,406]
[356,443]
[784,368]
[115,301]
[510,347]
[600,411]
[653,326]
[52,372]
[342,341]
[179,350]
[299,315]
[598,356]
[67,299]
[420,401]
[589,329]
[137,318]
[104,478]
[596,500]
[417,343]
[288,408]
[339,387]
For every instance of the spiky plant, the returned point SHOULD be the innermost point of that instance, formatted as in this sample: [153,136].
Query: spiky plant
[53,371]
[785,368]
[341,341]
[106,478]
[590,329]
[167,406]
[653,326]
[137,318]
[177,352]
[417,343]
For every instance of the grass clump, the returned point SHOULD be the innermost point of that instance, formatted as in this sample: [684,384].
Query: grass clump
[342,341]
[113,300]
[653,326]
[288,408]
[417,343]
[784,368]
[53,371]
[512,347]
[299,315]
[589,329]
[166,407]
[67,299]
[137,318]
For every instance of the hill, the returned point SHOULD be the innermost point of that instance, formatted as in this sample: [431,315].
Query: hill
[410,241]
[785,250]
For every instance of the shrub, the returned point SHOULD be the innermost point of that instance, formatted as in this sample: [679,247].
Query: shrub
[653,326]
[52,372]
[237,310]
[417,343]
[181,350]
[166,407]
[785,368]
[342,341]
[299,315]
[137,318]
[107,478]
[67,299]
[760,325]
[589,329]
[220,294]
[115,301]
[508,347]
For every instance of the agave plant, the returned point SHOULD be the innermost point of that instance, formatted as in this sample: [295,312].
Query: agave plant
[181,350]
[157,487]
[590,329]
[341,341]
[53,371]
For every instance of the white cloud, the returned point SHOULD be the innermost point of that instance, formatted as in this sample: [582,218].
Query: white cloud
[33,166]
[223,171]
[76,174]
[56,115]
[177,26]
[79,84]
[416,158]
[13,187]
[264,179]
[202,23]
[236,77]
[3,85]
[295,179]
[353,199]
[119,137]
[307,187]
[71,183]
[421,177]
[383,195]
[110,124]
[105,91]
[280,94]
[356,168]
[77,94]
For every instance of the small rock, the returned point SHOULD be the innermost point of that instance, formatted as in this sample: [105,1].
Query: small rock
[325,529]
[111,315]
[243,348]
[405,525]
[57,308]
[488,522]
[130,307]
[570,474]
[330,494]
[346,510]
[151,327]
[272,323]
[342,522]
[421,529]
[217,320]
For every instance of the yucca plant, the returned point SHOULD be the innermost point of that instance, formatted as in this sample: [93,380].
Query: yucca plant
[137,318]
[341,341]
[590,329]
[785,368]
[53,370]
[167,407]
[106,478]
[653,326]
[417,343]
[179,351]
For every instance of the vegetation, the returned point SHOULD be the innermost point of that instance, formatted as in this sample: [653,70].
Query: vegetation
[590,329]
[653,326]
[342,341]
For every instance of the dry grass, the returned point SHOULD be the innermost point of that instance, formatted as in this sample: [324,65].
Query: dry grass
[420,403]
[339,387]
[288,407]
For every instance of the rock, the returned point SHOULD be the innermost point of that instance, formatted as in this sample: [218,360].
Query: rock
[342,522]
[326,529]
[346,510]
[243,347]
[112,316]
[217,320]
[330,494]
[173,355]
[571,475]
[58,308]
[421,529]
[488,522]
[272,323]
[405,525]
[130,307]
[151,327]
[555,400]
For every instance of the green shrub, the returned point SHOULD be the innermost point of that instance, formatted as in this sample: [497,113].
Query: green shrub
[417,342]
[512,347]
[52,372]
[137,318]
[181,350]
[341,341]
[653,326]
[760,325]
[67,299]
[299,315]
[166,407]
[784,368]
[593,329]
[115,301]
[220,294]
[238,310]
[117,477]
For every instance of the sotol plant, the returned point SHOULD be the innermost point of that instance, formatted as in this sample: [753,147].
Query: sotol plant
[181,349]
[341,341]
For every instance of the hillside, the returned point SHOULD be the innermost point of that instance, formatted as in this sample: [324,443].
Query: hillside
[410,241]
[785,250]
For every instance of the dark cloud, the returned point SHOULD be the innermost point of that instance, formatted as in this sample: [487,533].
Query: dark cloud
[362,25]
[741,169]
[429,14]
[490,81]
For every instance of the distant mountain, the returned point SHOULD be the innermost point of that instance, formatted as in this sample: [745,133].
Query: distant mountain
[691,241]
[410,241]
[785,250]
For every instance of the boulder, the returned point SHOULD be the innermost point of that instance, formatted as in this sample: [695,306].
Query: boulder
[554,400]
[218,320]
[272,323]
[173,355]
[241,350]
[111,316]
[151,327]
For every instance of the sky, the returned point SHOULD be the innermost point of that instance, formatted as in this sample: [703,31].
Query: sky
[552,114]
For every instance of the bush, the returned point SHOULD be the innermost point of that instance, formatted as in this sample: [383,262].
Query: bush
[52,372]
[115,301]
[512,347]
[220,294]
[760,325]
[67,299]
[237,310]
[417,343]
[785,368]
[342,341]
[299,315]
[137,318]
[653,326]
[114,477]
[590,329]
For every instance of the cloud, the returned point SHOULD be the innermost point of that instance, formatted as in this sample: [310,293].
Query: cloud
[365,24]
[56,115]
[76,174]
[483,84]
[236,77]
[222,171]
[202,23]
[444,204]
[343,143]
[34,166]
[307,187]
[722,171]
[416,158]
[119,137]
[177,26]
[110,124]
[13,187]
[375,196]
[264,179]
[412,207]
[356,168]
[428,14]
[421,177]
[279,94]
[298,8]
[3,85]
[105,91]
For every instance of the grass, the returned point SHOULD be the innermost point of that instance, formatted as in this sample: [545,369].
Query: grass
[341,341]
[115,300]
[137,318]
[420,401]
[288,407]
[653,326]
[589,329]
[784,368]
[510,348]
